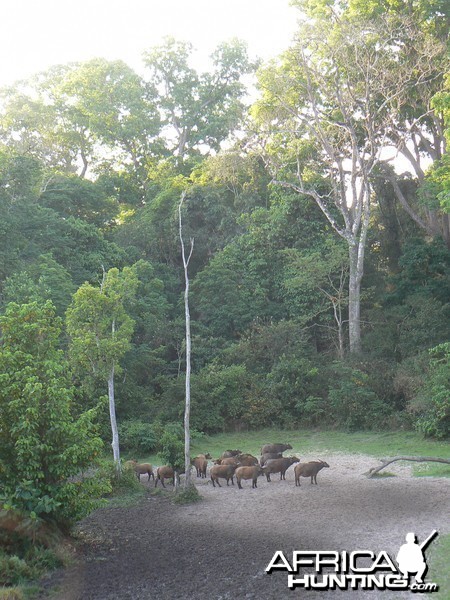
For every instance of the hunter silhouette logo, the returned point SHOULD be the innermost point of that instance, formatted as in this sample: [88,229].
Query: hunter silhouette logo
[410,557]
[361,569]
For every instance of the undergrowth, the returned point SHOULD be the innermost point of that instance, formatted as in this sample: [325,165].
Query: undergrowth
[188,495]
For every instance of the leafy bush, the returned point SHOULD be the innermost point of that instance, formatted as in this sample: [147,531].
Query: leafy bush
[218,396]
[262,408]
[314,410]
[137,436]
[352,403]
[432,403]
[43,445]
[27,565]
[188,496]
[124,489]
[172,447]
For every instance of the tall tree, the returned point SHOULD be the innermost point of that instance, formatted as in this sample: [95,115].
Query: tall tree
[415,125]
[72,117]
[100,331]
[187,411]
[326,110]
[199,109]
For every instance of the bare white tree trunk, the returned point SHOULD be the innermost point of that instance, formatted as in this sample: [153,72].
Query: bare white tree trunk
[112,416]
[187,410]
[354,299]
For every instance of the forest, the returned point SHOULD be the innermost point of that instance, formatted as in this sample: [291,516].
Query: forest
[317,198]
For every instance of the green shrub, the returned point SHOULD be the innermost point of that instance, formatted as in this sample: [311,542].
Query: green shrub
[353,405]
[432,403]
[219,396]
[28,564]
[172,448]
[14,569]
[188,496]
[313,410]
[43,444]
[123,489]
[137,436]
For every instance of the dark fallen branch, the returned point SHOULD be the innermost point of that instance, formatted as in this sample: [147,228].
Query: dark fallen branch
[387,461]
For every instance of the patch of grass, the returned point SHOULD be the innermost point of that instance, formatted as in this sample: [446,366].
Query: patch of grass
[188,496]
[126,490]
[431,469]
[126,498]
[31,591]
[15,593]
[379,444]
[21,592]
[439,572]
[26,566]
[126,495]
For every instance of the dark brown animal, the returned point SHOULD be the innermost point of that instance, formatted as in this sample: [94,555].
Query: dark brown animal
[165,472]
[247,460]
[268,456]
[248,473]
[230,453]
[275,448]
[140,469]
[222,472]
[279,465]
[309,469]
[200,463]
[231,460]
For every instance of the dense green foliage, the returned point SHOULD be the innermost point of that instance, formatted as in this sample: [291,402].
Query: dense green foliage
[93,160]
[43,443]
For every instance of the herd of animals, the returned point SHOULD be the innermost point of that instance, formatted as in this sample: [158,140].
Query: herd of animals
[242,466]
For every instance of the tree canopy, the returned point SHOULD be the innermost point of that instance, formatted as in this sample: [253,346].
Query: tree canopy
[319,284]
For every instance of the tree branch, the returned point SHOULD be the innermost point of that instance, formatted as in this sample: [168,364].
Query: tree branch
[388,461]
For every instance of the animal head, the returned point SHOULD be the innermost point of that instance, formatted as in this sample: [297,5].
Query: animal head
[323,463]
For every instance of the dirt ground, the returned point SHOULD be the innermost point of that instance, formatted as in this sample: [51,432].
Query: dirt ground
[218,549]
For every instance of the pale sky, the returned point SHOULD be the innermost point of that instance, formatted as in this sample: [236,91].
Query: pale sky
[36,34]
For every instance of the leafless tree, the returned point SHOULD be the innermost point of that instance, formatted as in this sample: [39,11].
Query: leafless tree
[187,410]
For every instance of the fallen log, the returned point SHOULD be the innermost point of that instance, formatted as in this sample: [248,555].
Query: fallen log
[387,461]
